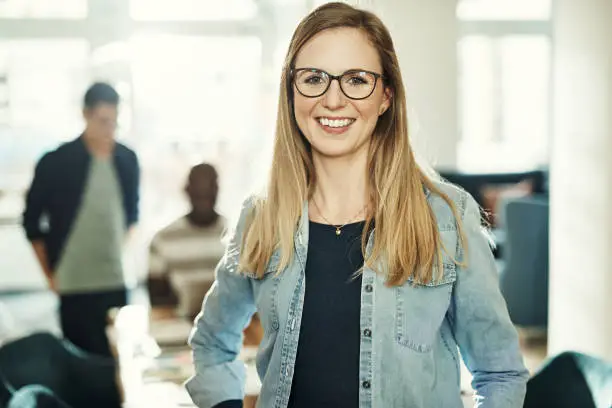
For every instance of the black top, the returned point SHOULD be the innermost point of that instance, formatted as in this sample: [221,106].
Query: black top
[56,191]
[327,364]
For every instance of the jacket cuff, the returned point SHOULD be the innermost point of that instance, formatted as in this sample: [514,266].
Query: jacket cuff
[229,404]
[34,234]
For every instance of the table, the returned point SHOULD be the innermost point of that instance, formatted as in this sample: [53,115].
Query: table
[154,360]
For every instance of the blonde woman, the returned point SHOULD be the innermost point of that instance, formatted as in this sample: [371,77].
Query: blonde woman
[368,276]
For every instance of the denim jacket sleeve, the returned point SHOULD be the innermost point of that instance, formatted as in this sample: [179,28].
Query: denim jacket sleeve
[216,339]
[486,337]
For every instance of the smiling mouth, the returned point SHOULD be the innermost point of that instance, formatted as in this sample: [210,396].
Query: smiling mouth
[335,123]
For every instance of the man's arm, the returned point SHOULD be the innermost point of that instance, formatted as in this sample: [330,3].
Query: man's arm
[36,204]
[131,202]
[40,250]
[133,191]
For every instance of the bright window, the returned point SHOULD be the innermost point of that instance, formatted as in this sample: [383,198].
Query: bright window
[70,9]
[197,89]
[38,107]
[504,102]
[4,99]
[196,99]
[504,9]
[504,85]
[192,9]
[44,98]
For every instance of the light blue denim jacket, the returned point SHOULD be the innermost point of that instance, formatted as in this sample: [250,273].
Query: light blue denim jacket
[409,357]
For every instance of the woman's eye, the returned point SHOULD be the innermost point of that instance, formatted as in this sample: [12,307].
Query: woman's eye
[357,80]
[314,80]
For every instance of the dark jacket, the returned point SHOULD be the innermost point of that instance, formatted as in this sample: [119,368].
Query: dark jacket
[57,188]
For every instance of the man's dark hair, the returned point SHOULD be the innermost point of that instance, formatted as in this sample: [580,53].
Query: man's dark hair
[203,170]
[99,93]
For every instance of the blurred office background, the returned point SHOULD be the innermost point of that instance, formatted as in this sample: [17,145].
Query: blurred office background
[510,98]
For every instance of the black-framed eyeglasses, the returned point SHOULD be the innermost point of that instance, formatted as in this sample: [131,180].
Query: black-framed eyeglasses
[355,83]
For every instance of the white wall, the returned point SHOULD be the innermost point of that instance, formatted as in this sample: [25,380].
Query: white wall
[425,37]
[581,180]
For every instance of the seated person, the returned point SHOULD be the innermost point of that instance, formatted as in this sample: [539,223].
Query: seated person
[42,370]
[183,255]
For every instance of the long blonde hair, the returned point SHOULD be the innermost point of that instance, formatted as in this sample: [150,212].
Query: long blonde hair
[407,236]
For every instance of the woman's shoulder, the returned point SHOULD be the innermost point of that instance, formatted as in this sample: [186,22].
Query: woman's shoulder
[442,195]
[236,223]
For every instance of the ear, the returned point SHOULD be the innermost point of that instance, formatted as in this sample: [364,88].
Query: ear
[386,102]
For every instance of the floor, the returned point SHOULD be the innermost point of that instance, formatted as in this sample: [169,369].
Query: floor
[27,311]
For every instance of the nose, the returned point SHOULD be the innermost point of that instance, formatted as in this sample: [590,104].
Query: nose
[334,98]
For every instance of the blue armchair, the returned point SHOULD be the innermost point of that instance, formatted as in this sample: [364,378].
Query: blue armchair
[524,276]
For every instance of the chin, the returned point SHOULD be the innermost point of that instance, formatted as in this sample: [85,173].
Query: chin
[336,149]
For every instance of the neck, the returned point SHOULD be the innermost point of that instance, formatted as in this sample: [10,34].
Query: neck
[98,148]
[202,220]
[341,190]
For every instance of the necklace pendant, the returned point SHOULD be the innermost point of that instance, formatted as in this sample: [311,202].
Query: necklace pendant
[338,231]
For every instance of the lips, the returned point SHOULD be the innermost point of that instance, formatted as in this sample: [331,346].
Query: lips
[335,122]
[335,126]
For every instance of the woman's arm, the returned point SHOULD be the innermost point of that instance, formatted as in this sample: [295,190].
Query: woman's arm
[487,338]
[217,337]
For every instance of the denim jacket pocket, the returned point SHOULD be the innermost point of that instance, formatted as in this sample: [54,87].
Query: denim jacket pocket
[421,308]
[420,311]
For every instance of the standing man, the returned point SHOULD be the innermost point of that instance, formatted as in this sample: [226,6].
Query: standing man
[79,208]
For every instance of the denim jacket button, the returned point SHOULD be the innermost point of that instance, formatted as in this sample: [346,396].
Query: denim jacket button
[368,288]
[367,333]
[365,384]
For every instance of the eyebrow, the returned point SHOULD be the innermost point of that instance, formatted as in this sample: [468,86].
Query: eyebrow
[343,72]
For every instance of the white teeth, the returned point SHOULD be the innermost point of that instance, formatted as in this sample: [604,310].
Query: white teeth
[336,122]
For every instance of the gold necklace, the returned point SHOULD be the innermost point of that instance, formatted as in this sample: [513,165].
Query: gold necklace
[338,227]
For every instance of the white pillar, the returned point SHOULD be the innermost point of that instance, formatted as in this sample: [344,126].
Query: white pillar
[425,38]
[581,180]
